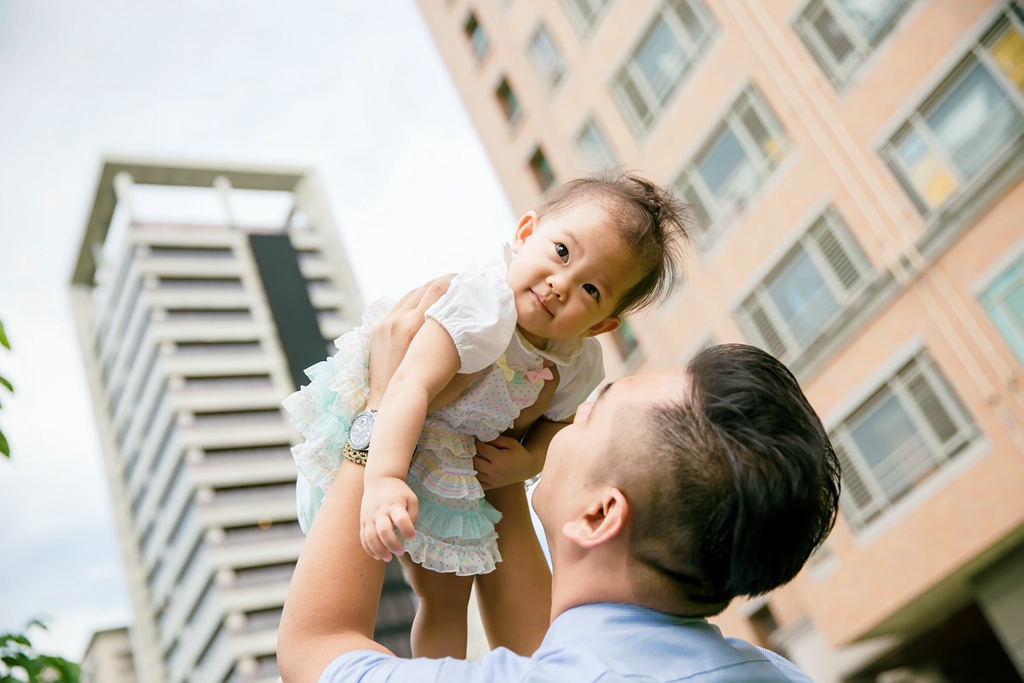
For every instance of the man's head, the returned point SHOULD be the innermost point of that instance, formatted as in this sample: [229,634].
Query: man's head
[711,482]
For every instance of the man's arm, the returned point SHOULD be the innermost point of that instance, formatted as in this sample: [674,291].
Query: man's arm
[331,606]
[332,602]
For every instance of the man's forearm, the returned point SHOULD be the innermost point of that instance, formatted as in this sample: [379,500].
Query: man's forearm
[332,602]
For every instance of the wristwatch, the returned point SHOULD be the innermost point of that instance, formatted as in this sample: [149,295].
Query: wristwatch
[362,427]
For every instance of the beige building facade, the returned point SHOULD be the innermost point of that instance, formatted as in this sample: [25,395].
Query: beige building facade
[855,172]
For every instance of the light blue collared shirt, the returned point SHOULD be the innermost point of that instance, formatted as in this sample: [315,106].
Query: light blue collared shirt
[606,642]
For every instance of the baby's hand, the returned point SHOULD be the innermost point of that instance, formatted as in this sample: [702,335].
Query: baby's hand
[504,461]
[388,502]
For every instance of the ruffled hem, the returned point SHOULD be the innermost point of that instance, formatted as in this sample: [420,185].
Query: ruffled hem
[445,482]
[440,521]
[323,410]
[453,558]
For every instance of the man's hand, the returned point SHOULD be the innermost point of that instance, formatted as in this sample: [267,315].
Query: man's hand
[388,503]
[504,461]
[391,336]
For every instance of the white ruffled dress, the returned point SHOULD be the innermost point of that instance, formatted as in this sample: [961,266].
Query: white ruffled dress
[455,528]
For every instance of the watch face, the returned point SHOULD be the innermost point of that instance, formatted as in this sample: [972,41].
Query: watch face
[359,435]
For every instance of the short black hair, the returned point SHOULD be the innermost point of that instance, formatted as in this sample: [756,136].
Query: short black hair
[650,220]
[743,483]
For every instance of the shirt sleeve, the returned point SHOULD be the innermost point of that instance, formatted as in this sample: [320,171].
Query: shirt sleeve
[479,313]
[369,666]
[576,382]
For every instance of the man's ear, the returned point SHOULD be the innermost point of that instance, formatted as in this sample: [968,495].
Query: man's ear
[525,229]
[601,522]
[606,325]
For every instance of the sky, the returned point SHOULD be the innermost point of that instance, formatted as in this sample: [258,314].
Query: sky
[354,89]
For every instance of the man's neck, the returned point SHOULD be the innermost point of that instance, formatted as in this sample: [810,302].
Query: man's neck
[581,585]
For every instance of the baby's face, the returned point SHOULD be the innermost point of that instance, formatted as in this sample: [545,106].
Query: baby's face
[569,272]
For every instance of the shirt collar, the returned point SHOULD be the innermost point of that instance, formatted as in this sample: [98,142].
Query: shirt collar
[606,617]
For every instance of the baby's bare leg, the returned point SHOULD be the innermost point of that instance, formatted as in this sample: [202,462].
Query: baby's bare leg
[439,629]
[515,599]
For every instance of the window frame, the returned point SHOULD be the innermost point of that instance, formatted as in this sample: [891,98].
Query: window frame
[536,168]
[810,244]
[480,49]
[629,71]
[552,75]
[512,115]
[586,163]
[939,453]
[583,26]
[992,299]
[712,224]
[862,47]
[1010,18]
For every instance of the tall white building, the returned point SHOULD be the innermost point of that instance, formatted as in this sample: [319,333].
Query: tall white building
[200,294]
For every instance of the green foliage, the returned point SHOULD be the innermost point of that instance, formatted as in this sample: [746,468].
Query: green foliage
[20,663]
[5,448]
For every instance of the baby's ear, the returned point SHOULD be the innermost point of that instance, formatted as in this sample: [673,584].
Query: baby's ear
[525,229]
[607,325]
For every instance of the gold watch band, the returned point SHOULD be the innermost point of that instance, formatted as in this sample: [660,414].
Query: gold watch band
[358,457]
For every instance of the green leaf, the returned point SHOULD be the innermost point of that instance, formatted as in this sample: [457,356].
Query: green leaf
[3,338]
[5,448]
[10,387]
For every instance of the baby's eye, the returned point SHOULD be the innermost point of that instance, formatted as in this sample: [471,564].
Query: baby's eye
[592,291]
[562,251]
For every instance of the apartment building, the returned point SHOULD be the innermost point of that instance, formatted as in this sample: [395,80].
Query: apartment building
[108,658]
[200,294]
[854,168]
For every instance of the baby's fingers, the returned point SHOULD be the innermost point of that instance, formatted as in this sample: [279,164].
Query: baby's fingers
[403,521]
[386,534]
[372,543]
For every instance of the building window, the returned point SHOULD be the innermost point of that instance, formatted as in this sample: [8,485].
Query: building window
[585,13]
[842,33]
[541,169]
[477,36]
[592,148]
[547,57]
[733,166]
[975,119]
[508,101]
[1004,301]
[906,431]
[807,292]
[673,42]
[626,342]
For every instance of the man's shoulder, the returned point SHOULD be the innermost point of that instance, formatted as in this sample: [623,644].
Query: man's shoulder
[576,663]
[367,666]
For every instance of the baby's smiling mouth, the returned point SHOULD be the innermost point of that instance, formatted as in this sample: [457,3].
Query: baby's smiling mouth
[540,302]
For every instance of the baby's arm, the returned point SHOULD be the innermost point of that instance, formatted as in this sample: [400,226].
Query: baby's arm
[428,366]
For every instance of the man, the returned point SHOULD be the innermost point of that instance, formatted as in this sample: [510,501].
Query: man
[667,497]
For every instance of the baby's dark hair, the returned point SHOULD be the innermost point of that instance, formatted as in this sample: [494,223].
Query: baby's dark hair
[652,222]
